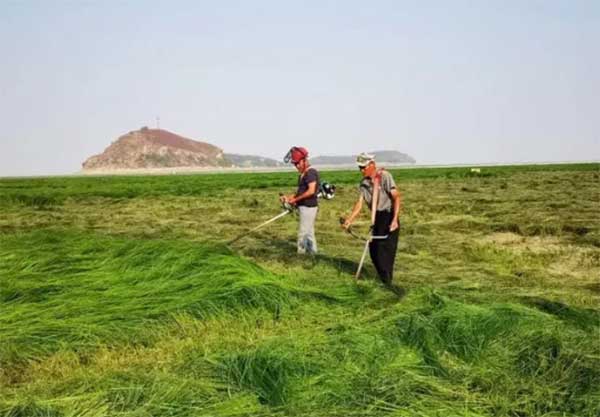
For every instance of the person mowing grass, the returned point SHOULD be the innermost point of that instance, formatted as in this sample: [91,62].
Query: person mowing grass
[305,199]
[377,185]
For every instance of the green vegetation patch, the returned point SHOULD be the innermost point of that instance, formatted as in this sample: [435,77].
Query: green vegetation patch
[77,288]
[116,300]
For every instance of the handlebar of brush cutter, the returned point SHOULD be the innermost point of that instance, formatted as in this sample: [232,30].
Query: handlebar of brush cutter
[363,238]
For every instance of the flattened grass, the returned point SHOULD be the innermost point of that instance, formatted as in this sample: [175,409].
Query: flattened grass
[76,289]
[118,298]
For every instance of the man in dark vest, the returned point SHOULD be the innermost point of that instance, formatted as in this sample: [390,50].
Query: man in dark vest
[305,199]
[379,185]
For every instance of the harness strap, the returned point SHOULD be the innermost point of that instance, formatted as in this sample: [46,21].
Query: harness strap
[375,198]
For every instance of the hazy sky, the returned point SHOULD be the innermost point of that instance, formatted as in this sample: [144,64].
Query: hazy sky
[445,81]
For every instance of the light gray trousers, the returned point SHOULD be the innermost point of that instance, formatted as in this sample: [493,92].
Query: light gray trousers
[307,243]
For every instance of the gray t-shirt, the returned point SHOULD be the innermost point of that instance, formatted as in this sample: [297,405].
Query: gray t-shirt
[386,185]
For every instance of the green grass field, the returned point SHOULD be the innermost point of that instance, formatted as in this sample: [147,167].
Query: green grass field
[118,297]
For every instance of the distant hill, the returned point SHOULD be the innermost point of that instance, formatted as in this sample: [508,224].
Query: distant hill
[155,148]
[382,157]
[251,161]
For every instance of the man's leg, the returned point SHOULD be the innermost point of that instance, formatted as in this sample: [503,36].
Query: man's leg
[387,256]
[311,240]
[374,252]
[377,246]
[307,242]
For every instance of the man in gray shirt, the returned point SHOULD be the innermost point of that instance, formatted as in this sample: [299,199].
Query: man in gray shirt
[385,220]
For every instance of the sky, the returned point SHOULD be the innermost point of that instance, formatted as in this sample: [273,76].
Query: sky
[448,82]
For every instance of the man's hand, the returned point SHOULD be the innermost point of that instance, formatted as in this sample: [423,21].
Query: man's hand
[394,224]
[287,199]
[347,223]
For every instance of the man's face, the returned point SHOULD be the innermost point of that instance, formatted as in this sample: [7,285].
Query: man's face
[300,165]
[368,170]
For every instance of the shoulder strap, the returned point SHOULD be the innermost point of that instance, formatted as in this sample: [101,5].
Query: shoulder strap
[375,198]
[306,172]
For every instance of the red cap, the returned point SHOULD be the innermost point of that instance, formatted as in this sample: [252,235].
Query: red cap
[296,154]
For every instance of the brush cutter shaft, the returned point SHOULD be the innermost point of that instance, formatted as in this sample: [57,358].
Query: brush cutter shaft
[362,260]
[368,238]
[280,215]
[270,221]
[364,254]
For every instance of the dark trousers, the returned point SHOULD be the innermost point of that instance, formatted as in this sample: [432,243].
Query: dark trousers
[383,251]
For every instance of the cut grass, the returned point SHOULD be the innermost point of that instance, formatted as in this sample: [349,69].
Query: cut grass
[118,298]
[82,289]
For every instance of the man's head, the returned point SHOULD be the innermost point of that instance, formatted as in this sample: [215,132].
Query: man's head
[297,156]
[366,164]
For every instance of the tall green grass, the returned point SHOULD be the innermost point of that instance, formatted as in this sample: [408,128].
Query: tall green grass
[80,289]
[118,298]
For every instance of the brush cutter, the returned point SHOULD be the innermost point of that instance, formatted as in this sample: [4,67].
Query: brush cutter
[367,240]
[287,209]
[364,254]
[326,191]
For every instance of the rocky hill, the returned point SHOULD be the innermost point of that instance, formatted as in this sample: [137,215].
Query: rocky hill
[156,148]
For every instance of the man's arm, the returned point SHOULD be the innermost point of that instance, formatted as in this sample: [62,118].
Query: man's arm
[355,211]
[397,201]
[312,190]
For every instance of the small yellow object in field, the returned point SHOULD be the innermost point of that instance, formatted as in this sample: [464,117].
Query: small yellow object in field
[476,170]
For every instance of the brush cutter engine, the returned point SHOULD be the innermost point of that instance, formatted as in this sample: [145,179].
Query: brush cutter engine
[326,190]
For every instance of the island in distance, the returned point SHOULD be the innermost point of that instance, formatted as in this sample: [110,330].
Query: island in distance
[158,150]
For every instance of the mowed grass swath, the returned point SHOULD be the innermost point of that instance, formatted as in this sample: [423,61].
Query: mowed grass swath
[118,297]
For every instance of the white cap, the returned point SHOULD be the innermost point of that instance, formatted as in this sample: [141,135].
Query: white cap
[364,159]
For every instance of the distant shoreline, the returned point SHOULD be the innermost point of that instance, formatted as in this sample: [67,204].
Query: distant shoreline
[216,170]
